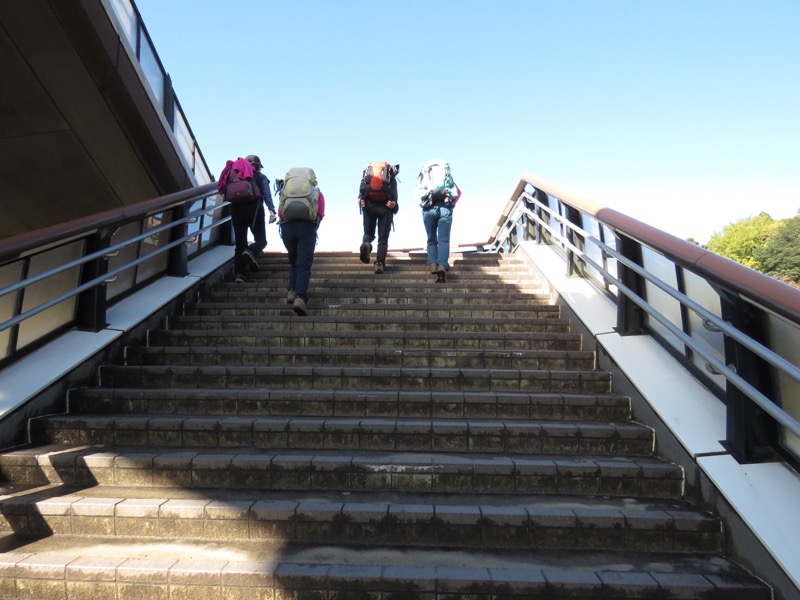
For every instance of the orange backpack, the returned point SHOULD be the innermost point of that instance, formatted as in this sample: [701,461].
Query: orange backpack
[376,181]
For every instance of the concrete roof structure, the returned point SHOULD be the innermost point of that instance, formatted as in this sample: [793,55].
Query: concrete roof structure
[79,131]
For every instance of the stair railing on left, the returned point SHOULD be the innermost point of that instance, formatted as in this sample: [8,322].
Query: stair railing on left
[67,276]
[736,330]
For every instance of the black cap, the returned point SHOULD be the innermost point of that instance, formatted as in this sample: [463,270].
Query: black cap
[254,160]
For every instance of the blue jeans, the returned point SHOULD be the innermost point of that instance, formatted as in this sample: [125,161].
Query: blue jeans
[300,239]
[438,220]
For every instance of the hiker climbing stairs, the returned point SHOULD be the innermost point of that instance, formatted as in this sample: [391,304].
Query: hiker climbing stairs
[405,439]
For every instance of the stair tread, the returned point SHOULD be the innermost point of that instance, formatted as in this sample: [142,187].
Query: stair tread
[56,454]
[472,474]
[260,558]
[578,520]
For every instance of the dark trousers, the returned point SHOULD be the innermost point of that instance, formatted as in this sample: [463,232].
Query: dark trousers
[244,216]
[300,239]
[376,214]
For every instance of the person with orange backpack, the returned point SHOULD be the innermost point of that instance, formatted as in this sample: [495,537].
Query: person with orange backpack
[377,199]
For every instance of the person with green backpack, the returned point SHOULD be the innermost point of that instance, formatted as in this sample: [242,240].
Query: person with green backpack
[301,210]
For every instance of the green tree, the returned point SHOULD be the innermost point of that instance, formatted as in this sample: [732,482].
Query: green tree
[740,240]
[780,255]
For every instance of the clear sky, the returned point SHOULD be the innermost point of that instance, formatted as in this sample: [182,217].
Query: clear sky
[682,113]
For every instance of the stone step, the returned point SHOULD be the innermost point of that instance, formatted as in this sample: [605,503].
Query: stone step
[440,300]
[335,433]
[395,340]
[256,472]
[351,403]
[388,286]
[360,378]
[356,471]
[58,569]
[395,291]
[401,263]
[222,355]
[375,519]
[319,321]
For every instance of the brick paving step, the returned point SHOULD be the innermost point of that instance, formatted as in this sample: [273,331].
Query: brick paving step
[336,433]
[476,521]
[357,471]
[362,378]
[223,355]
[396,340]
[351,403]
[62,569]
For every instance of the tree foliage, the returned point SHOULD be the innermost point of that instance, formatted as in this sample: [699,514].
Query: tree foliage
[780,256]
[761,243]
[739,241]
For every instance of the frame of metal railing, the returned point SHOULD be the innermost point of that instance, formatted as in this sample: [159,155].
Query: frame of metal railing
[135,33]
[192,218]
[742,291]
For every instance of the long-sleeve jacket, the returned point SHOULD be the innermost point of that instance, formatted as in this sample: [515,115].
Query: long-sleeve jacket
[266,195]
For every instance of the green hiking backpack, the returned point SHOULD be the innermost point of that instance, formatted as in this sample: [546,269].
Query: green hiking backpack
[299,196]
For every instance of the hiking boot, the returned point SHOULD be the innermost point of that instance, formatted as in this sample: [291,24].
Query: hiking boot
[433,268]
[365,251]
[378,268]
[250,260]
[440,276]
[299,307]
[240,278]
[290,296]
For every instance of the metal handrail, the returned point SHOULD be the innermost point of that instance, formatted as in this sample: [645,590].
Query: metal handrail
[40,308]
[765,353]
[723,272]
[19,245]
[110,251]
[92,271]
[777,361]
[531,214]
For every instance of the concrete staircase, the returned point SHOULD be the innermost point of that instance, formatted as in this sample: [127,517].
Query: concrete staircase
[404,440]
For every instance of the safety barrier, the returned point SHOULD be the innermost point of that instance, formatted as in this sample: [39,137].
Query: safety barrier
[735,329]
[68,275]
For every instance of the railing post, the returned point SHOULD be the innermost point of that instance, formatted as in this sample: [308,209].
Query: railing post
[574,265]
[751,433]
[177,258]
[542,235]
[226,231]
[630,317]
[92,304]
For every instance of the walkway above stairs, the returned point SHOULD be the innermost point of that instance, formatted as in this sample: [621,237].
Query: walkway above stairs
[406,439]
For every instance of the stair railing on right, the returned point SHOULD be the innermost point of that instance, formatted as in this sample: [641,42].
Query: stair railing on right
[735,329]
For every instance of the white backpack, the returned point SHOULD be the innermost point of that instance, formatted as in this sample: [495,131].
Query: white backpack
[435,175]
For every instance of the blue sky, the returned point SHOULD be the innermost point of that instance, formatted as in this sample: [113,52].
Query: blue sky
[684,114]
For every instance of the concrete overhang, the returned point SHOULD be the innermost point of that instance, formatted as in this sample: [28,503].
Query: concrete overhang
[79,132]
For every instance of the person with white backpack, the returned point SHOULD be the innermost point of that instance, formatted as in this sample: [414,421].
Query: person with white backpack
[437,194]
